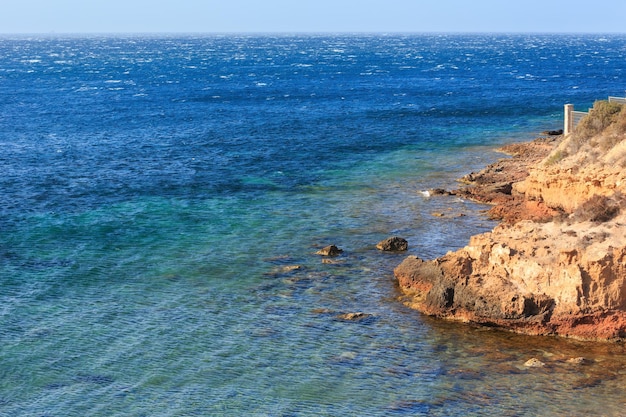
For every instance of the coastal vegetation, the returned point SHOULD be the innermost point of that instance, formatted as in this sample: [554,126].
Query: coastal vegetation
[598,137]
[606,120]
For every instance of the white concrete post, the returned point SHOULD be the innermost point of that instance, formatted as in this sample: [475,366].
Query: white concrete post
[568,123]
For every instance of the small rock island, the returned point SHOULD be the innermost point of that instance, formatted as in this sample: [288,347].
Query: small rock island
[556,263]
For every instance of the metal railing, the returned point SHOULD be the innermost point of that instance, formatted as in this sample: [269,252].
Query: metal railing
[578,115]
[572,117]
[620,100]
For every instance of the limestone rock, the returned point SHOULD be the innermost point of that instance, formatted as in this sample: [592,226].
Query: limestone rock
[578,361]
[393,244]
[534,363]
[555,266]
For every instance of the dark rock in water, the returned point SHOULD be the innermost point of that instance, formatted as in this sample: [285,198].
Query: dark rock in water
[553,132]
[410,407]
[330,250]
[393,244]
[94,379]
[284,270]
[588,382]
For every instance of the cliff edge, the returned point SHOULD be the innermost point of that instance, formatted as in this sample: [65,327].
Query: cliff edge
[556,264]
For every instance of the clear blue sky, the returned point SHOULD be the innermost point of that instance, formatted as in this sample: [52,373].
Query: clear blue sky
[159,16]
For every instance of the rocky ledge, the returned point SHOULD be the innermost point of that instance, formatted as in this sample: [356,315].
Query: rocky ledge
[556,263]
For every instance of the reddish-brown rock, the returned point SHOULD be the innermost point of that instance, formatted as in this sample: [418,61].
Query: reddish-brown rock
[556,265]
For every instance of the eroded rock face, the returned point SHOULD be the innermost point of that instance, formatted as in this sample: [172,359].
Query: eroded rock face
[543,271]
[537,285]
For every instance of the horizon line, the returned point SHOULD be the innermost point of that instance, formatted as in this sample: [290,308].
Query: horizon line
[293,33]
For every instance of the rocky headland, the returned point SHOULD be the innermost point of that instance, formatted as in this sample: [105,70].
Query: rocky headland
[556,263]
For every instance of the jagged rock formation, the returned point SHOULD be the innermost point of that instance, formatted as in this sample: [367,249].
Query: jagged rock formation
[330,250]
[557,263]
[393,244]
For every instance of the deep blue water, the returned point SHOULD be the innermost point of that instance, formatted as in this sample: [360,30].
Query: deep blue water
[156,191]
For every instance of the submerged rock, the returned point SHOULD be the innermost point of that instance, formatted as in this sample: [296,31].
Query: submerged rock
[534,363]
[328,261]
[289,268]
[353,316]
[393,244]
[578,361]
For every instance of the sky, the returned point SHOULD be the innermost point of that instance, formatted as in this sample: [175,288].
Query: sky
[311,16]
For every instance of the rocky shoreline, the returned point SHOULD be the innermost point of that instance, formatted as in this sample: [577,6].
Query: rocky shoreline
[556,264]
[494,184]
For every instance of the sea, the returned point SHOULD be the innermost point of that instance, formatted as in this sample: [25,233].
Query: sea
[163,197]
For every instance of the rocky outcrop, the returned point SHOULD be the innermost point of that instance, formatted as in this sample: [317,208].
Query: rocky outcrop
[393,244]
[556,265]
[533,278]
[496,184]
[330,250]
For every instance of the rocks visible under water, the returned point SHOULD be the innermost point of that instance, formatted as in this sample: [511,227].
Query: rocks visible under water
[358,316]
[534,363]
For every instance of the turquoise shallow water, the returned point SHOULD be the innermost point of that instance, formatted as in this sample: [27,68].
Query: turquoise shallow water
[156,193]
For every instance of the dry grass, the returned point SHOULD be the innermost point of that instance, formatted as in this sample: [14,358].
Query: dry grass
[555,157]
[599,209]
[597,136]
[602,115]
